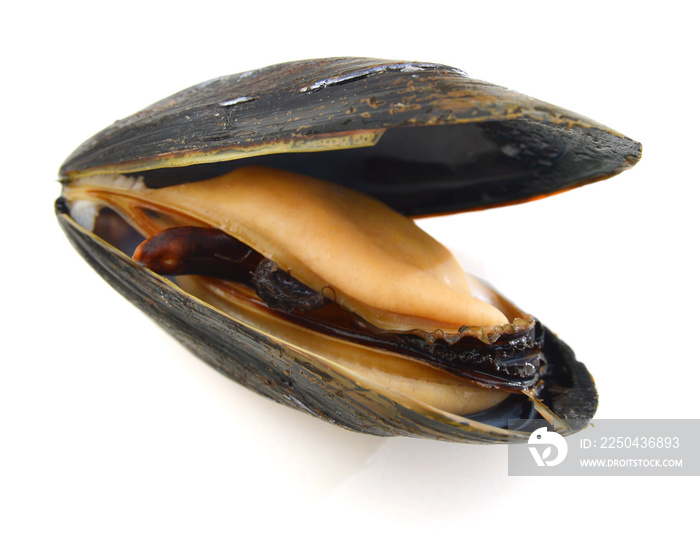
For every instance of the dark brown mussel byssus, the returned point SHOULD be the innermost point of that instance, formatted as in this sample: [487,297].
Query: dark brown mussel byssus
[263,219]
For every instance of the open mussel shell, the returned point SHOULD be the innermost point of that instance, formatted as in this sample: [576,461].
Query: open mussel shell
[422,138]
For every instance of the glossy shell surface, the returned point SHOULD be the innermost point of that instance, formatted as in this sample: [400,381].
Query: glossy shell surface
[352,120]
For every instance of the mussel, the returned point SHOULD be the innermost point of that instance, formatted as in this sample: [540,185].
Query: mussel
[263,219]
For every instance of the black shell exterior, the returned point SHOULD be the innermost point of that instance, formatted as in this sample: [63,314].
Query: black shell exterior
[292,378]
[423,138]
[426,139]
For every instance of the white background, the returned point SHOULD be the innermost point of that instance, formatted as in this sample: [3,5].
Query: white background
[107,425]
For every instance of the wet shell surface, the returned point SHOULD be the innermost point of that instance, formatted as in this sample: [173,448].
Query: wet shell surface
[267,216]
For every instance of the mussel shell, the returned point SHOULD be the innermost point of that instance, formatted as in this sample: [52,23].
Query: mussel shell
[291,377]
[423,138]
